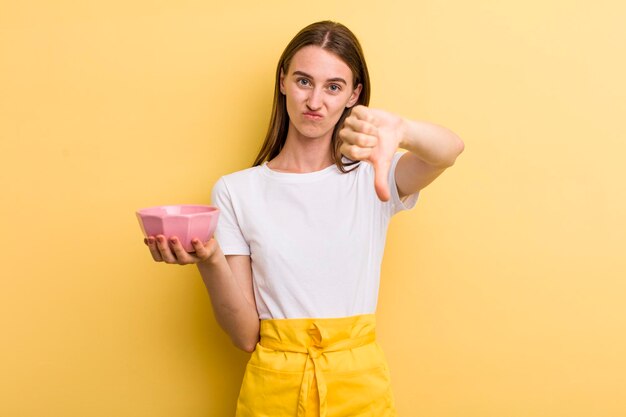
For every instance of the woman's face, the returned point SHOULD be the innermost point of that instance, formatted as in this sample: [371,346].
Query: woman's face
[317,88]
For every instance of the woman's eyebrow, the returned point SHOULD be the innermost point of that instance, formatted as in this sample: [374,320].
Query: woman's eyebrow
[334,80]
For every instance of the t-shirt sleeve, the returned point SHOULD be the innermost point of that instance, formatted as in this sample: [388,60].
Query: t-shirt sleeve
[398,204]
[228,233]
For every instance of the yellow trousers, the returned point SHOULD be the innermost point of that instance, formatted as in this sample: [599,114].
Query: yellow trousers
[317,368]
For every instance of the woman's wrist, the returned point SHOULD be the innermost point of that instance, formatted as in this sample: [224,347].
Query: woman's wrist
[406,128]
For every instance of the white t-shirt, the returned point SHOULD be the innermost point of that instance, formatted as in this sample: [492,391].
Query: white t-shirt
[316,239]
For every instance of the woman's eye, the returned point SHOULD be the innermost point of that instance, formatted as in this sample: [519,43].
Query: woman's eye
[303,81]
[334,88]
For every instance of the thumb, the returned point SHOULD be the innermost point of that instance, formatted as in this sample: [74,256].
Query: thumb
[381,178]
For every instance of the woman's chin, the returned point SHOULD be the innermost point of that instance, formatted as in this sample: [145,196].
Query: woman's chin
[314,132]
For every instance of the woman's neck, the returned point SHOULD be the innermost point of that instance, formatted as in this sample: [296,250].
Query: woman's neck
[302,155]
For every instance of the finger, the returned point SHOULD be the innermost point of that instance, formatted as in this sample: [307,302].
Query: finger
[361,126]
[164,250]
[381,179]
[204,251]
[182,256]
[356,153]
[362,113]
[359,139]
[154,251]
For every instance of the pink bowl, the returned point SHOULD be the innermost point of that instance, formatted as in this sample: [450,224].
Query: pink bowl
[183,221]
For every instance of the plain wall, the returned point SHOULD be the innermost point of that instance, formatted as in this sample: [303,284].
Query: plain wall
[503,291]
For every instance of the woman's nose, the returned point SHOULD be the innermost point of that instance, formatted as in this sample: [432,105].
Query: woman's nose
[314,102]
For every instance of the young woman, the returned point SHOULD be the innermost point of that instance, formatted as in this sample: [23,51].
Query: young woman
[294,278]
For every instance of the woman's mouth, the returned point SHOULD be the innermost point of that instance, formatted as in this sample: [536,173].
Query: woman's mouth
[313,115]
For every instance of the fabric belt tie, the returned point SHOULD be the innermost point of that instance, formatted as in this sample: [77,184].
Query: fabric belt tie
[313,369]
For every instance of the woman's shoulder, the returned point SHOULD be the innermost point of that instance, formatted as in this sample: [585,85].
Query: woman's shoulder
[229,185]
[238,179]
[243,175]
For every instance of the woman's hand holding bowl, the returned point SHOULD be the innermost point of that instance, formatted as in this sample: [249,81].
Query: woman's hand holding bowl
[171,251]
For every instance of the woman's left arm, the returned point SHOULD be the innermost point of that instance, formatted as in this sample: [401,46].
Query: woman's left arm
[375,135]
[432,149]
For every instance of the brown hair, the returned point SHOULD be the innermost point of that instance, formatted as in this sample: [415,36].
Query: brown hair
[333,37]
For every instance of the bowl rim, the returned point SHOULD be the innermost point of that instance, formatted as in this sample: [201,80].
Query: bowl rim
[145,211]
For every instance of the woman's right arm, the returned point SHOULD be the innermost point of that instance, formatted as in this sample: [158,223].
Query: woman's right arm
[228,280]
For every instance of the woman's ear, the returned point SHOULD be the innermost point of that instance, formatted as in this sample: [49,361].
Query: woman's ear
[354,98]
[282,81]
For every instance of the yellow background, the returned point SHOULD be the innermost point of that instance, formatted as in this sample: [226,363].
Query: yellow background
[503,291]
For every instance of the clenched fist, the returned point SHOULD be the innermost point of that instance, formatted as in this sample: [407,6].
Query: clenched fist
[374,136]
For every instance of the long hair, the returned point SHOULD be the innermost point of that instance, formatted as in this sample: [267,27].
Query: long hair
[333,37]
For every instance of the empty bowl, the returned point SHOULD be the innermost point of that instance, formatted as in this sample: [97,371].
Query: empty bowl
[185,221]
